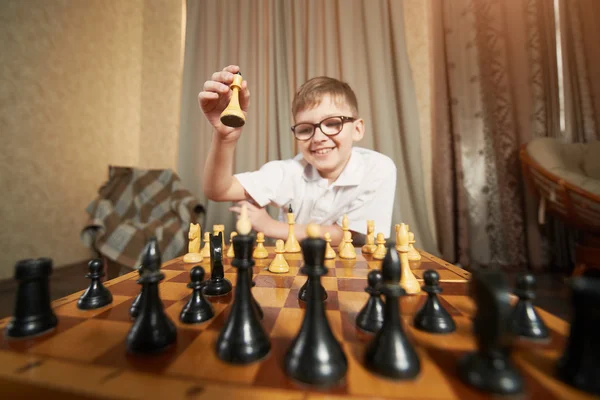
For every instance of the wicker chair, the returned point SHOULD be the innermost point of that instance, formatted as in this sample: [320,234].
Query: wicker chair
[565,178]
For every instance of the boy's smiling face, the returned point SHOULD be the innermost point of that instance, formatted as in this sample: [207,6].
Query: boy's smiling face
[329,154]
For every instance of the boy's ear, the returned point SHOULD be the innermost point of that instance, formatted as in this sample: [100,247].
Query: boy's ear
[359,130]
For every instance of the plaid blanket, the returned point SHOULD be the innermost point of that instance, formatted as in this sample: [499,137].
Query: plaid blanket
[134,205]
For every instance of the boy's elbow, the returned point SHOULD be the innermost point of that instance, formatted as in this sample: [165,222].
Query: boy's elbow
[211,193]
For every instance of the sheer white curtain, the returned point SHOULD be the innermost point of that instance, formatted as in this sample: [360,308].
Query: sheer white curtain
[281,44]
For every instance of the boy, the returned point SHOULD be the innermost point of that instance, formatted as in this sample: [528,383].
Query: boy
[328,179]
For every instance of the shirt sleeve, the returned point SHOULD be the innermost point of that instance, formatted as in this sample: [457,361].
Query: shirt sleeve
[375,203]
[262,185]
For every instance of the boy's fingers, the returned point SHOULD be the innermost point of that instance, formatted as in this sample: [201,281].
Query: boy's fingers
[244,96]
[223,77]
[232,68]
[217,87]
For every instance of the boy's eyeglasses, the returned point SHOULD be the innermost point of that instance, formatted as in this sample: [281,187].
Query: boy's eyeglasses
[329,126]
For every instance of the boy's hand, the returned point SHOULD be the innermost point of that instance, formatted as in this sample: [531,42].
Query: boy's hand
[258,216]
[215,96]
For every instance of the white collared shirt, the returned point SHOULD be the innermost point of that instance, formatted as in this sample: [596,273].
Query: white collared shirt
[364,191]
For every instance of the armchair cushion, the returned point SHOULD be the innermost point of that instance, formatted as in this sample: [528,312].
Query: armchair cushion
[576,163]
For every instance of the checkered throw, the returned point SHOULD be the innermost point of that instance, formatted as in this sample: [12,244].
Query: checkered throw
[135,205]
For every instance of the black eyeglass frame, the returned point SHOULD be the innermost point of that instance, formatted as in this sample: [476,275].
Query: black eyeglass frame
[318,125]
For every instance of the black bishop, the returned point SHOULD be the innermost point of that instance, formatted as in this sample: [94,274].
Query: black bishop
[490,368]
[152,331]
[243,339]
[390,353]
[315,356]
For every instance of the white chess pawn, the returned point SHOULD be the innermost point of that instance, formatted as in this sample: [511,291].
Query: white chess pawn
[279,265]
[260,251]
[348,251]
[329,251]
[413,254]
[379,253]
[230,250]
[206,249]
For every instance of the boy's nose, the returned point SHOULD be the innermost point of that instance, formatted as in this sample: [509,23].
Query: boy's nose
[319,136]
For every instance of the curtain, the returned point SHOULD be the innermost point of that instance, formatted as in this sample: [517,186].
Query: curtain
[281,44]
[580,31]
[494,88]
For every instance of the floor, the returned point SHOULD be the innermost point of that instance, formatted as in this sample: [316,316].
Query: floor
[552,291]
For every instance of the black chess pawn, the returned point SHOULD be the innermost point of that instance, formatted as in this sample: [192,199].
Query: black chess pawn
[197,309]
[243,339]
[432,317]
[315,356]
[217,285]
[370,318]
[390,353]
[490,368]
[152,331]
[96,295]
[134,309]
[525,320]
[33,315]
[578,366]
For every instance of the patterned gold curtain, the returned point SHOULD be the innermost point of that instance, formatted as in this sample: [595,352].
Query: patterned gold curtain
[580,32]
[494,88]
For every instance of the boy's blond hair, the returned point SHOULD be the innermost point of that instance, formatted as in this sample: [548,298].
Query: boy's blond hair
[312,92]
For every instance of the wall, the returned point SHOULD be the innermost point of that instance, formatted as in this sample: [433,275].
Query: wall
[83,84]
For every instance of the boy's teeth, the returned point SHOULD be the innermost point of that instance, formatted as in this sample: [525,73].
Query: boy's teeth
[322,151]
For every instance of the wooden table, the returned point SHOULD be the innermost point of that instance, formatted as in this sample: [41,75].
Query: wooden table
[85,356]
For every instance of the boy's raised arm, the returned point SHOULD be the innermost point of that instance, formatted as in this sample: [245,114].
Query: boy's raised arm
[218,181]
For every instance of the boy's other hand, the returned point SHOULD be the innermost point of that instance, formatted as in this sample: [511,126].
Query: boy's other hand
[215,97]
[258,216]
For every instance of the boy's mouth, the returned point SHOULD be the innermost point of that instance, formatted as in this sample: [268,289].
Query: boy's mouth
[322,151]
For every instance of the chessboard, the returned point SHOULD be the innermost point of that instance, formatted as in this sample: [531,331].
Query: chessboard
[86,357]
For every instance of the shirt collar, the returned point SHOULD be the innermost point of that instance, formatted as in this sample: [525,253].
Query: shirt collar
[350,176]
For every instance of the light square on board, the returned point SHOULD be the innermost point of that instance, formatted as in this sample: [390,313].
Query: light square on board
[352,301]
[272,375]
[85,341]
[23,344]
[270,297]
[200,361]
[274,281]
[363,382]
[461,339]
[70,309]
[351,272]
[119,357]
